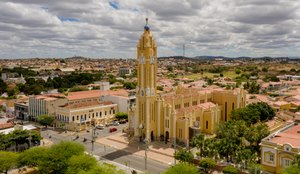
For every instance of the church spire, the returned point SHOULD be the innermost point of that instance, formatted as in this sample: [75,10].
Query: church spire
[146,26]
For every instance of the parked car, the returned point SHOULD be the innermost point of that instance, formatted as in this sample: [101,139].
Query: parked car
[116,123]
[122,121]
[113,129]
[100,126]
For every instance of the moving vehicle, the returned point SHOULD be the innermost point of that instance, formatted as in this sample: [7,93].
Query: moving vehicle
[113,129]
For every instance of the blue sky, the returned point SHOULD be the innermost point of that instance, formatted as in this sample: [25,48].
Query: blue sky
[111,28]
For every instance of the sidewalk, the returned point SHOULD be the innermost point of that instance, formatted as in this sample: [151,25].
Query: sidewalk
[119,166]
[46,142]
[155,152]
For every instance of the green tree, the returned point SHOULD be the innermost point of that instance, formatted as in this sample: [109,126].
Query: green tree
[170,68]
[209,81]
[256,133]
[254,88]
[81,163]
[297,160]
[237,71]
[11,92]
[18,137]
[265,110]
[229,138]
[254,112]
[208,164]
[247,114]
[3,86]
[198,141]
[209,148]
[33,157]
[45,120]
[265,69]
[160,88]
[8,160]
[3,141]
[182,168]
[105,169]
[293,169]
[245,156]
[184,155]
[121,116]
[78,88]
[254,168]
[129,85]
[230,170]
[58,155]
[112,79]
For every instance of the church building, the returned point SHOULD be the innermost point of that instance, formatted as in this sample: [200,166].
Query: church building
[181,113]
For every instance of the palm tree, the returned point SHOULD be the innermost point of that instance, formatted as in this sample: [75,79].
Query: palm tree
[198,141]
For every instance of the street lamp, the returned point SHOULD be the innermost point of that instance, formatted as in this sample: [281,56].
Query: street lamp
[146,150]
[93,134]
[29,139]
[141,127]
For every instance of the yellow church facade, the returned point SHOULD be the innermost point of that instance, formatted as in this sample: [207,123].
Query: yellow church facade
[179,114]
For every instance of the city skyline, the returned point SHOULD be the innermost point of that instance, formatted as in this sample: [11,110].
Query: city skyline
[109,28]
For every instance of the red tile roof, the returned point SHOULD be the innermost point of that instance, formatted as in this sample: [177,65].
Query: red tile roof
[290,136]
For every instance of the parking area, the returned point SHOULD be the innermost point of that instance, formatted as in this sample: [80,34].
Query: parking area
[100,133]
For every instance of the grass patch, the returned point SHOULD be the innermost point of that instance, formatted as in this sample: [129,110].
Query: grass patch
[230,74]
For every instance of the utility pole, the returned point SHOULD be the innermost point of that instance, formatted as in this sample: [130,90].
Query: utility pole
[93,135]
[146,149]
[183,50]
[174,150]
[29,139]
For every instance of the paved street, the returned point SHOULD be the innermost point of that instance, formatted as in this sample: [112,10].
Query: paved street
[106,152]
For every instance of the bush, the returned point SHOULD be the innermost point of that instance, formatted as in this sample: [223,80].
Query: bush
[182,168]
[238,71]
[121,116]
[207,164]
[184,155]
[230,170]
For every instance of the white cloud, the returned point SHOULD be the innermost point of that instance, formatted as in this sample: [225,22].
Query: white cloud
[93,28]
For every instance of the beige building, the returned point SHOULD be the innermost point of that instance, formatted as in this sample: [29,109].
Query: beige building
[45,104]
[76,110]
[180,113]
[278,150]
[78,116]
[123,71]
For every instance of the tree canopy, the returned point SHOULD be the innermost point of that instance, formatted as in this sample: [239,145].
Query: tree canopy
[129,85]
[3,86]
[182,168]
[18,137]
[198,141]
[121,116]
[184,155]
[254,113]
[294,168]
[65,157]
[45,120]
[208,164]
[230,170]
[8,160]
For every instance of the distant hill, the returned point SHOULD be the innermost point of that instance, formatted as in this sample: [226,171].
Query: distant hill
[265,58]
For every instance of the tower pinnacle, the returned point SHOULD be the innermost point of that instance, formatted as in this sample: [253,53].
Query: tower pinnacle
[146,26]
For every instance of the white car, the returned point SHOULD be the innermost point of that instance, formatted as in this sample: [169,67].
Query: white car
[100,126]
[116,123]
